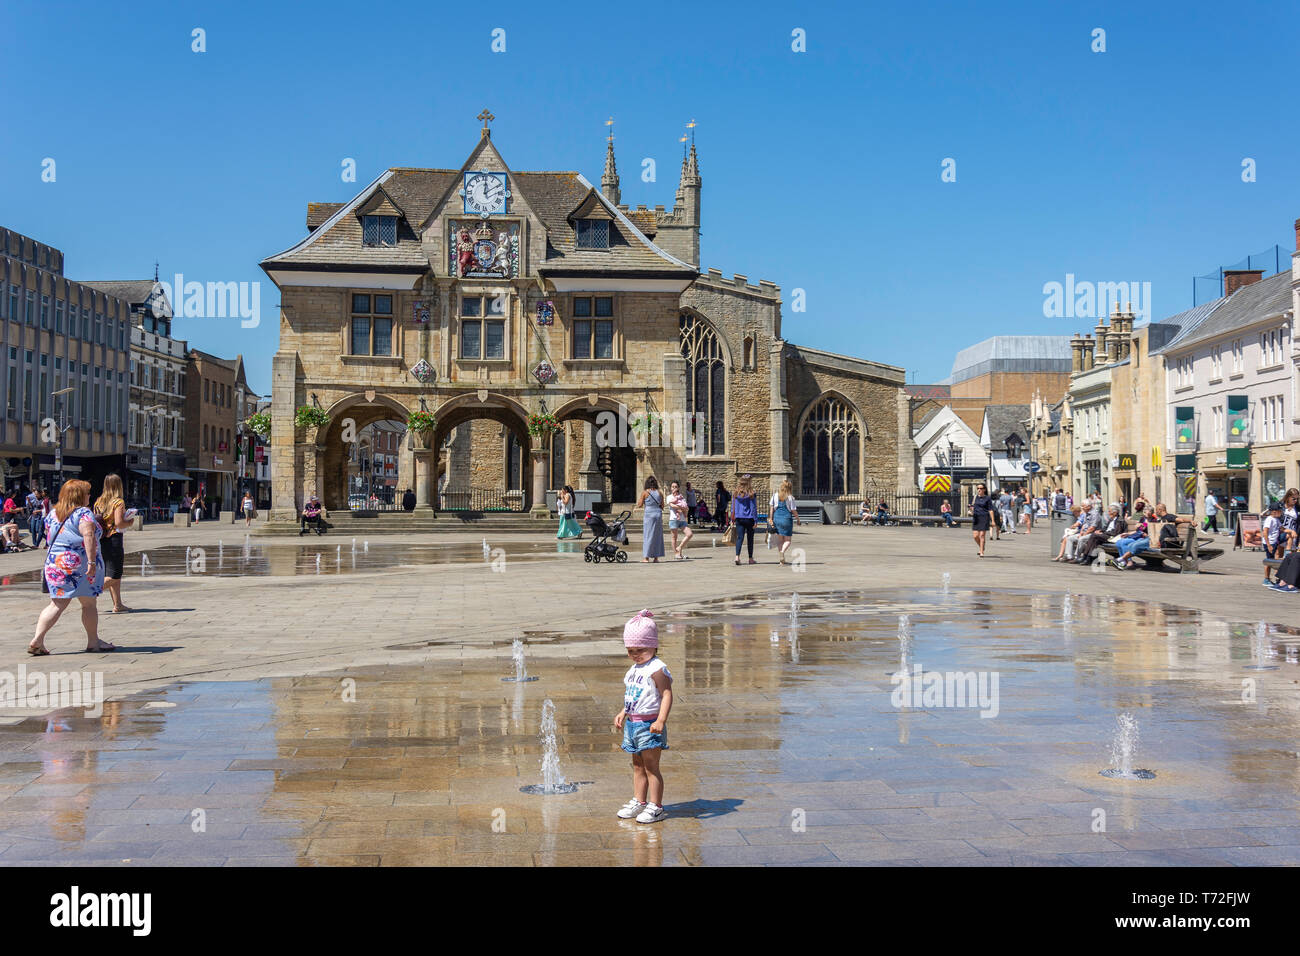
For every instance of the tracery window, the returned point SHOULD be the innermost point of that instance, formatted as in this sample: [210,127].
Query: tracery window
[706,384]
[831,449]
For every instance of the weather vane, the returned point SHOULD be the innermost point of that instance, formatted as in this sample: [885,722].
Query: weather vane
[610,123]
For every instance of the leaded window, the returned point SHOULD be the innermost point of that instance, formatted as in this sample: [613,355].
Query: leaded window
[593,234]
[831,449]
[706,384]
[379,230]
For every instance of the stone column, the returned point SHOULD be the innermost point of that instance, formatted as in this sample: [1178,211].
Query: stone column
[423,478]
[541,465]
[590,469]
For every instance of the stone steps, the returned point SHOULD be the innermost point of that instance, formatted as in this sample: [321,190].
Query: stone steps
[428,522]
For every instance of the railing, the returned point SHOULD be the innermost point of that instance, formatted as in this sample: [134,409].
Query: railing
[481,500]
[367,505]
[906,501]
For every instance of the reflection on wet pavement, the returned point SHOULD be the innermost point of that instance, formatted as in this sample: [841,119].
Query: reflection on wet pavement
[247,558]
[786,747]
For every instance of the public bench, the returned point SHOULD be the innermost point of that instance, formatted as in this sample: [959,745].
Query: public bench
[907,518]
[1186,556]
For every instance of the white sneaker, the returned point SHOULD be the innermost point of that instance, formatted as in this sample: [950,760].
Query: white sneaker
[652,813]
[631,809]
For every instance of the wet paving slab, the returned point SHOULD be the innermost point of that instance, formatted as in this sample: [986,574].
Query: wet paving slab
[248,558]
[795,739]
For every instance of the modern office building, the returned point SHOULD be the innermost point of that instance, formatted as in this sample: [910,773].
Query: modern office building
[64,357]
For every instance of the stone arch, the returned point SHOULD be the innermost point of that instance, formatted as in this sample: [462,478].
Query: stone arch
[582,460]
[332,451]
[829,443]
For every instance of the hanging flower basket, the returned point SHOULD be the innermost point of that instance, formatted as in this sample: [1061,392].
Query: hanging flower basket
[543,426]
[421,421]
[645,424]
[309,416]
[259,424]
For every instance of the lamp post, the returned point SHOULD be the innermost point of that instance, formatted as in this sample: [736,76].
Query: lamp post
[153,451]
[952,472]
[62,427]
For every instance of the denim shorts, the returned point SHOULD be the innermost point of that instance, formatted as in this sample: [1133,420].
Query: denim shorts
[637,736]
[676,525]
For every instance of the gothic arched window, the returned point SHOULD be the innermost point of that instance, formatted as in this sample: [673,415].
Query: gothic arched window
[706,384]
[831,449]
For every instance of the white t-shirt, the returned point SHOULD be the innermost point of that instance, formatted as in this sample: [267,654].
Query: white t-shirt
[1272,528]
[641,696]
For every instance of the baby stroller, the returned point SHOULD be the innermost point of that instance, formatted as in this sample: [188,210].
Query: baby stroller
[602,535]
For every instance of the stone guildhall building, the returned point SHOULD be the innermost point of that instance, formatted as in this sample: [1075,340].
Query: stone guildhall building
[488,296]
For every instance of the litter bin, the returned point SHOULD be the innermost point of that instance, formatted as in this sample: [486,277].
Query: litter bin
[1060,521]
[834,512]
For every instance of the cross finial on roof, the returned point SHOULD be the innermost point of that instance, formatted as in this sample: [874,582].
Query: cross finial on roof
[485,117]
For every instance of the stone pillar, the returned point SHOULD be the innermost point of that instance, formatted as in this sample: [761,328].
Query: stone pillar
[590,468]
[907,473]
[423,478]
[541,465]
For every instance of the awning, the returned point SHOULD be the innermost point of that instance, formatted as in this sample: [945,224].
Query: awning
[161,475]
[1004,468]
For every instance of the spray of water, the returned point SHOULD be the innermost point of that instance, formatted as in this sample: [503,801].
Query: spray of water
[187,561]
[552,780]
[947,579]
[517,658]
[1122,748]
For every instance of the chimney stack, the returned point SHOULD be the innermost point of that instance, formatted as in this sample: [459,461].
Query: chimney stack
[1076,353]
[1234,279]
[1297,235]
[1088,346]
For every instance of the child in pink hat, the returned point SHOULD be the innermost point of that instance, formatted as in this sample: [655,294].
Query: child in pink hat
[647,699]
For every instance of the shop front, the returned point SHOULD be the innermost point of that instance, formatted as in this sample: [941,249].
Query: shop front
[1227,474]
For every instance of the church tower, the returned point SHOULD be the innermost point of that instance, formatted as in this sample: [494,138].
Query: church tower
[679,230]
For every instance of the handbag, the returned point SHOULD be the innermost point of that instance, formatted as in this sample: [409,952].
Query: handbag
[45,585]
[729,536]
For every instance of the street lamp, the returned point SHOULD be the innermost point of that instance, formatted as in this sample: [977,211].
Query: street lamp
[153,451]
[62,427]
[952,471]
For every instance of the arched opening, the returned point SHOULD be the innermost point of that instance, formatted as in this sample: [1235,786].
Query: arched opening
[360,433]
[483,461]
[706,384]
[593,451]
[830,449]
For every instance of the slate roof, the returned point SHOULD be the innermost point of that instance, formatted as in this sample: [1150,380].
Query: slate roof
[1247,305]
[335,238]
[135,291]
[1004,421]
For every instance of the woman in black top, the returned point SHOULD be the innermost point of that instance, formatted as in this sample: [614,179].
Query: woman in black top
[981,510]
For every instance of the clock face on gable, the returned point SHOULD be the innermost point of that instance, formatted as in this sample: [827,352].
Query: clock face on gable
[485,193]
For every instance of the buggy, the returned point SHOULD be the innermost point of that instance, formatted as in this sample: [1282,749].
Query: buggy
[605,538]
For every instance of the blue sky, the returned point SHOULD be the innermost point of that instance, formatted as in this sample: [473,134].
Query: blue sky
[821,169]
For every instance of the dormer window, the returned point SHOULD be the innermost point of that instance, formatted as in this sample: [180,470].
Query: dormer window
[593,233]
[379,230]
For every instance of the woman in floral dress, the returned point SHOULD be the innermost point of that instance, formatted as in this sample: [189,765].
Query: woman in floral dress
[74,566]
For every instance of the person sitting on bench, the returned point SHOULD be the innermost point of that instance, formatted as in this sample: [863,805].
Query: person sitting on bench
[311,512]
[1131,541]
[1113,525]
[882,513]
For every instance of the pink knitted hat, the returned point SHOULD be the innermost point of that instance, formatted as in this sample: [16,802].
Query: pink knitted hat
[641,631]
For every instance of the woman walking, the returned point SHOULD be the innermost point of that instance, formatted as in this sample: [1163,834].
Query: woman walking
[744,512]
[564,505]
[721,503]
[679,519]
[74,568]
[652,521]
[249,508]
[981,512]
[110,510]
[785,515]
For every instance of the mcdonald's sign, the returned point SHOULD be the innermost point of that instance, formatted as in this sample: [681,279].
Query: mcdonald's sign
[1157,458]
[941,483]
[1126,462]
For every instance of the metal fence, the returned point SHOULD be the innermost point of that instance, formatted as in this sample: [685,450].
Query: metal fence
[481,500]
[910,501]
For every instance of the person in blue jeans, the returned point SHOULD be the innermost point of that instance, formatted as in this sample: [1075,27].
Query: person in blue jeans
[945,509]
[744,511]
